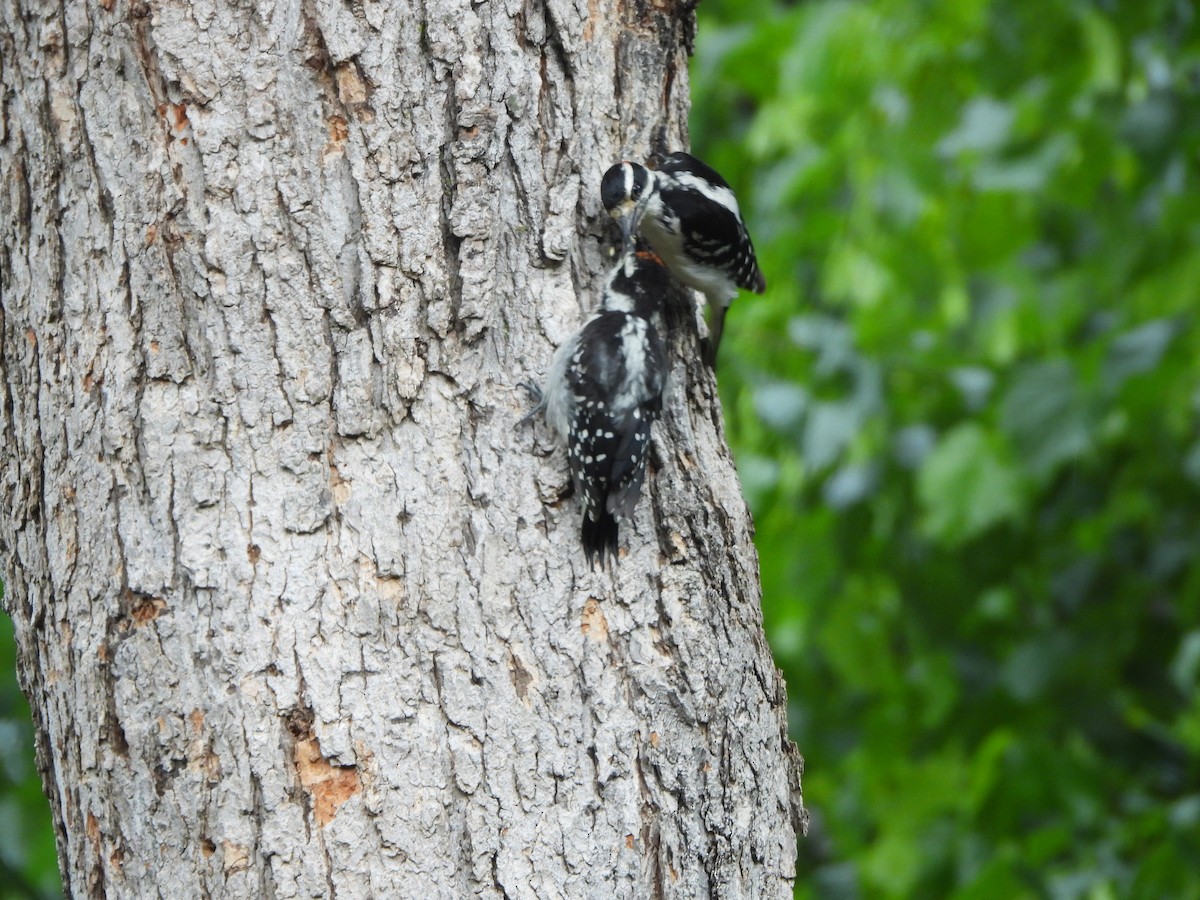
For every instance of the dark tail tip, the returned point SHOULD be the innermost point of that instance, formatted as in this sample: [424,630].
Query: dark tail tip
[599,537]
[760,282]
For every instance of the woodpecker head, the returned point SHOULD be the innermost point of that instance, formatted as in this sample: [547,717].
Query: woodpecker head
[626,190]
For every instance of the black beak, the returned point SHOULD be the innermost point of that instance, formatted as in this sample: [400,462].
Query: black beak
[628,229]
[629,223]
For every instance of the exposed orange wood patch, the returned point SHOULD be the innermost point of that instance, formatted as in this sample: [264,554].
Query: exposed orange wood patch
[594,624]
[589,27]
[329,785]
[234,857]
[352,90]
[339,129]
[147,609]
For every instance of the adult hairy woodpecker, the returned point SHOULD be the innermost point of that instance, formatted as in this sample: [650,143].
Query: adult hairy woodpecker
[690,216]
[604,390]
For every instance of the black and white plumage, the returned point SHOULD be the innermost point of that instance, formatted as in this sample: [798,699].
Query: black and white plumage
[689,215]
[604,391]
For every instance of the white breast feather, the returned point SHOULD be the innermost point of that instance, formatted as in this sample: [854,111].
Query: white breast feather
[633,341]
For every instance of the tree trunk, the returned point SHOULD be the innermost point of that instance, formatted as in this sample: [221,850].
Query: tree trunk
[299,609]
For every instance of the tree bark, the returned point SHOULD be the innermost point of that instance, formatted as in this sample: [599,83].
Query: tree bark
[299,609]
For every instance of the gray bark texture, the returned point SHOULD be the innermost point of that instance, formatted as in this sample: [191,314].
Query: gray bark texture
[300,610]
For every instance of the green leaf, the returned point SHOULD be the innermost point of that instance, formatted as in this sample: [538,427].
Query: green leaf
[780,404]
[966,486]
[985,125]
[1138,351]
[1043,413]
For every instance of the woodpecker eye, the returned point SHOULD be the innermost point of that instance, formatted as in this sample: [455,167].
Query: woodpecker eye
[639,182]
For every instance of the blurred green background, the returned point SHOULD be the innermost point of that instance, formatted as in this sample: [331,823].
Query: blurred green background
[966,418]
[965,415]
[28,864]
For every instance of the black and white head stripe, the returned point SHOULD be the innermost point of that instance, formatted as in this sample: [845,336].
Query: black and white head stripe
[623,184]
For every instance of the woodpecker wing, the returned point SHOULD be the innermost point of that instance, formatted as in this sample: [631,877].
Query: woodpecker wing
[625,481]
[710,221]
[679,162]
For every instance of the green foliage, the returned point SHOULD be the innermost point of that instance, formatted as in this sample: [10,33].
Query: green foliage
[965,415]
[28,860]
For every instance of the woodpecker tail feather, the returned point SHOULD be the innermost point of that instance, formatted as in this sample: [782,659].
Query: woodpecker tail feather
[599,537]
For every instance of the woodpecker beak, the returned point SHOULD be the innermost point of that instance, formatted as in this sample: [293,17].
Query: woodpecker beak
[630,218]
[626,219]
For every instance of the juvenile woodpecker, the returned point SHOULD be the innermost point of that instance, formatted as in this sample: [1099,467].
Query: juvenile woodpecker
[690,216]
[603,392]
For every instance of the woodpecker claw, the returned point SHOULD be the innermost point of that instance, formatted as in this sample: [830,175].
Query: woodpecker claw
[535,394]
